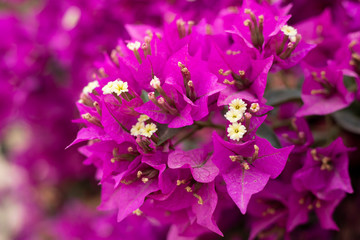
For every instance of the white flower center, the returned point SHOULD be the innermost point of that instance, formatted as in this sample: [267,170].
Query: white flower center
[233,115]
[255,107]
[90,87]
[155,82]
[133,45]
[290,32]
[137,128]
[143,118]
[236,131]
[141,129]
[149,130]
[116,86]
[238,104]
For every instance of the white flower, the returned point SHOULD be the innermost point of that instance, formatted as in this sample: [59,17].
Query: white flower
[143,118]
[236,131]
[90,87]
[138,212]
[155,82]
[233,115]
[149,130]
[137,128]
[290,32]
[120,87]
[133,45]
[116,86]
[107,89]
[255,107]
[238,104]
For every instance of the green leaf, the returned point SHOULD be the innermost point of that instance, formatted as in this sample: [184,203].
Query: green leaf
[350,83]
[266,132]
[166,133]
[279,96]
[144,96]
[348,120]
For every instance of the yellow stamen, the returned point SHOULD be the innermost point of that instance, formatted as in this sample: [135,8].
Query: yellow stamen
[200,200]
[179,182]
[138,212]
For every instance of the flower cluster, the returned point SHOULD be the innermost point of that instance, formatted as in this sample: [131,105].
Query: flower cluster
[201,118]
[173,125]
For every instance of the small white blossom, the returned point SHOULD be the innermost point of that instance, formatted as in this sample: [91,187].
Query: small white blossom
[255,107]
[138,212]
[236,131]
[233,115]
[133,45]
[116,86]
[90,87]
[120,87]
[149,130]
[143,118]
[155,82]
[137,129]
[290,32]
[107,89]
[238,104]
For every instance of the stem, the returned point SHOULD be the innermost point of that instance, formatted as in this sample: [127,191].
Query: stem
[121,125]
[197,126]
[209,124]
[279,123]
[189,134]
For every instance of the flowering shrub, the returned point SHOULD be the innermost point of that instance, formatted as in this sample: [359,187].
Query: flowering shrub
[209,119]
[172,120]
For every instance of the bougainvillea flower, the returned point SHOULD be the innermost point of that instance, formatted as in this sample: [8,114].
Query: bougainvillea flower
[158,96]
[110,158]
[203,171]
[269,211]
[255,23]
[323,92]
[325,170]
[245,118]
[266,30]
[247,167]
[80,221]
[301,203]
[132,191]
[245,76]
[189,206]
[321,31]
[347,58]
[297,133]
[198,161]
[184,95]
[288,48]
[347,11]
